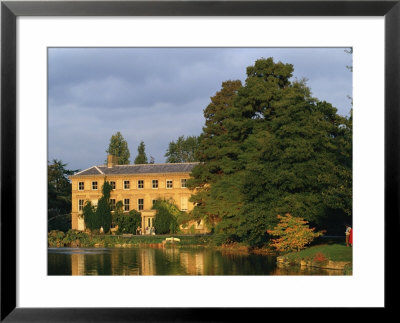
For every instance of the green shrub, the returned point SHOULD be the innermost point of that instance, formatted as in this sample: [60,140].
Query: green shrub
[224,238]
[103,211]
[128,222]
[166,217]
[89,216]
[76,237]
[100,216]
[55,238]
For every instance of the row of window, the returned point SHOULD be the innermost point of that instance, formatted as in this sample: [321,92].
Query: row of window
[140,184]
[127,204]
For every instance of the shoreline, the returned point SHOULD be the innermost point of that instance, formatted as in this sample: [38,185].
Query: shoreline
[57,239]
[327,264]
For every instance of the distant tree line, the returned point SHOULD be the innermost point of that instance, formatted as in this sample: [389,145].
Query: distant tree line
[118,147]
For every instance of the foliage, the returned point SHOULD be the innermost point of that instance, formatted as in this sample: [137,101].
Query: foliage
[217,198]
[141,158]
[58,239]
[100,216]
[103,210]
[270,148]
[293,232]
[183,150]
[59,196]
[166,217]
[78,237]
[182,218]
[89,216]
[127,222]
[54,238]
[84,240]
[119,147]
[58,221]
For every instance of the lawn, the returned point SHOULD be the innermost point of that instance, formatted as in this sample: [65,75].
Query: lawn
[334,252]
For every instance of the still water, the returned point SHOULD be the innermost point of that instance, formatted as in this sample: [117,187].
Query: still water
[167,261]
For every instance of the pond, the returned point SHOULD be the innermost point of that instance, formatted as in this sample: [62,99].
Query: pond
[166,261]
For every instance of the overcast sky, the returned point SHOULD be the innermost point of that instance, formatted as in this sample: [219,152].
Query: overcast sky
[159,94]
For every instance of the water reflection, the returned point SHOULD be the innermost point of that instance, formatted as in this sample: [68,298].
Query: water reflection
[305,271]
[168,261]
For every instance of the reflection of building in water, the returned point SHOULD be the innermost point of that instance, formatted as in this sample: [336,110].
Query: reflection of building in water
[77,264]
[147,261]
[194,263]
[124,263]
[171,254]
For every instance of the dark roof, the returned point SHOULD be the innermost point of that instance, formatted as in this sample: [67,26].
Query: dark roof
[138,169]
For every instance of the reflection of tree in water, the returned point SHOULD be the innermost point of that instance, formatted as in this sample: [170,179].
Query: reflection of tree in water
[58,264]
[98,264]
[306,271]
[168,261]
[125,262]
[243,264]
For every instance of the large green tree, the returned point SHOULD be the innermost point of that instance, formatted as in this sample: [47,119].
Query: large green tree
[100,216]
[218,194]
[58,196]
[141,158]
[167,215]
[183,150]
[119,147]
[127,222]
[103,210]
[269,148]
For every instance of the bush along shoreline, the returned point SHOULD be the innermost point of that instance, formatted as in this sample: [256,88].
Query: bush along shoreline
[79,239]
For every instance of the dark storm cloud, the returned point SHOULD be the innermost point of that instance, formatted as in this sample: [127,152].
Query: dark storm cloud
[158,94]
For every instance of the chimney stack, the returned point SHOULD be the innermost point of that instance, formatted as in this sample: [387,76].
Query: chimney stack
[111,161]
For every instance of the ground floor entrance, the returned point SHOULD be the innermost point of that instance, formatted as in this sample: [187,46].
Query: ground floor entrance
[148,222]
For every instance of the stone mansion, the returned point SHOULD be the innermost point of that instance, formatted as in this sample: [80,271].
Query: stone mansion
[137,186]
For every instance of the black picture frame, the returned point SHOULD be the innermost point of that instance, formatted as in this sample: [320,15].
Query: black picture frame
[10,10]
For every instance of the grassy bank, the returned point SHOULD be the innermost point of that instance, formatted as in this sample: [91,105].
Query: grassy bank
[329,256]
[334,252]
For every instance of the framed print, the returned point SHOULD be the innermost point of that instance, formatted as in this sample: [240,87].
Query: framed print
[49,47]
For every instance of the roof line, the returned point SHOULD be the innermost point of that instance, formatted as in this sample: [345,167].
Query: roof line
[84,170]
[152,164]
[99,170]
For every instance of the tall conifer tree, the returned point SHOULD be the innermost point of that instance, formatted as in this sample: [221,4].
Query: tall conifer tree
[141,158]
[119,147]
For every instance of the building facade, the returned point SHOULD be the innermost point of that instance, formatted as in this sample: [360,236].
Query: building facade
[137,186]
